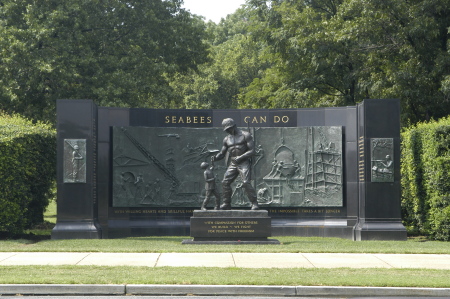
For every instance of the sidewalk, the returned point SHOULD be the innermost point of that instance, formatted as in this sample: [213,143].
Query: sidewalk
[240,260]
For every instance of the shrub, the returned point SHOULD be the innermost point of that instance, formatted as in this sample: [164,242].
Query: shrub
[27,171]
[425,170]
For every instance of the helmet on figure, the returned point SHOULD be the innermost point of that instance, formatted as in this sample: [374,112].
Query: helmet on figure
[228,123]
[204,165]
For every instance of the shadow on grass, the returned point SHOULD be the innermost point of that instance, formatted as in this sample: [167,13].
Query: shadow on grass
[29,236]
[39,232]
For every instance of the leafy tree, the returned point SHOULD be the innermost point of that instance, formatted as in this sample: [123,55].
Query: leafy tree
[338,52]
[235,60]
[407,53]
[120,53]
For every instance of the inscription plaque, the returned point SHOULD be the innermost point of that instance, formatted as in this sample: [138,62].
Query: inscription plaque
[159,167]
[230,227]
[235,226]
[74,161]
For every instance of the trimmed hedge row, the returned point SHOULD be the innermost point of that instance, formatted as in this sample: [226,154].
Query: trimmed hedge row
[27,172]
[425,182]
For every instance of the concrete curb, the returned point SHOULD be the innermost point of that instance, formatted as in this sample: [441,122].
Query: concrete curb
[372,291]
[61,289]
[211,290]
[216,290]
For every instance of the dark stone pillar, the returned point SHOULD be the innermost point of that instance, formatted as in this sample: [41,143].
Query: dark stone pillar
[76,170]
[379,171]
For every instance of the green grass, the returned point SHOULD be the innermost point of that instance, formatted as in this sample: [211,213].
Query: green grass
[224,276]
[173,244]
[50,212]
[220,276]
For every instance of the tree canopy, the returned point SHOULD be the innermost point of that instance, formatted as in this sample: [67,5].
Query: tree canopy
[268,54]
[236,59]
[339,52]
[120,53]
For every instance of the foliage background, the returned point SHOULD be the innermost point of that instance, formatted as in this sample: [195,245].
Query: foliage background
[268,54]
[27,172]
[328,53]
[117,53]
[425,182]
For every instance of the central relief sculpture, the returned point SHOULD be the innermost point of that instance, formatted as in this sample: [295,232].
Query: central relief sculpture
[157,167]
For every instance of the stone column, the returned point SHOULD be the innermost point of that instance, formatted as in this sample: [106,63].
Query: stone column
[76,170]
[379,171]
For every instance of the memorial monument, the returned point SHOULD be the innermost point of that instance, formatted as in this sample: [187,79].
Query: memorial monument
[331,172]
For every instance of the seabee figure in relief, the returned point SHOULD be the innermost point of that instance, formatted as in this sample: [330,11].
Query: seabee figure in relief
[238,146]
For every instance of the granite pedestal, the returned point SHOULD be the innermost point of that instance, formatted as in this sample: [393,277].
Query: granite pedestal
[231,227]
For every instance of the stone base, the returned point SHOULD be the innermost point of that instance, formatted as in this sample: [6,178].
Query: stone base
[231,227]
[76,230]
[380,231]
[310,227]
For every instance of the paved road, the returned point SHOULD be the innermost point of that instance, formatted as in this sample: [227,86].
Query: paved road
[212,297]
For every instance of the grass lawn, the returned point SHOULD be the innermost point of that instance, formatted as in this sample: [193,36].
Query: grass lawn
[220,276]
[173,244]
[41,242]
[224,276]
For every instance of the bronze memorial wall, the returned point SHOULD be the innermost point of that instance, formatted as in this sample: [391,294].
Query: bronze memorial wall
[330,172]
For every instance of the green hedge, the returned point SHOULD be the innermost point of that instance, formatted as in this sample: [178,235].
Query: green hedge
[27,172]
[425,170]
